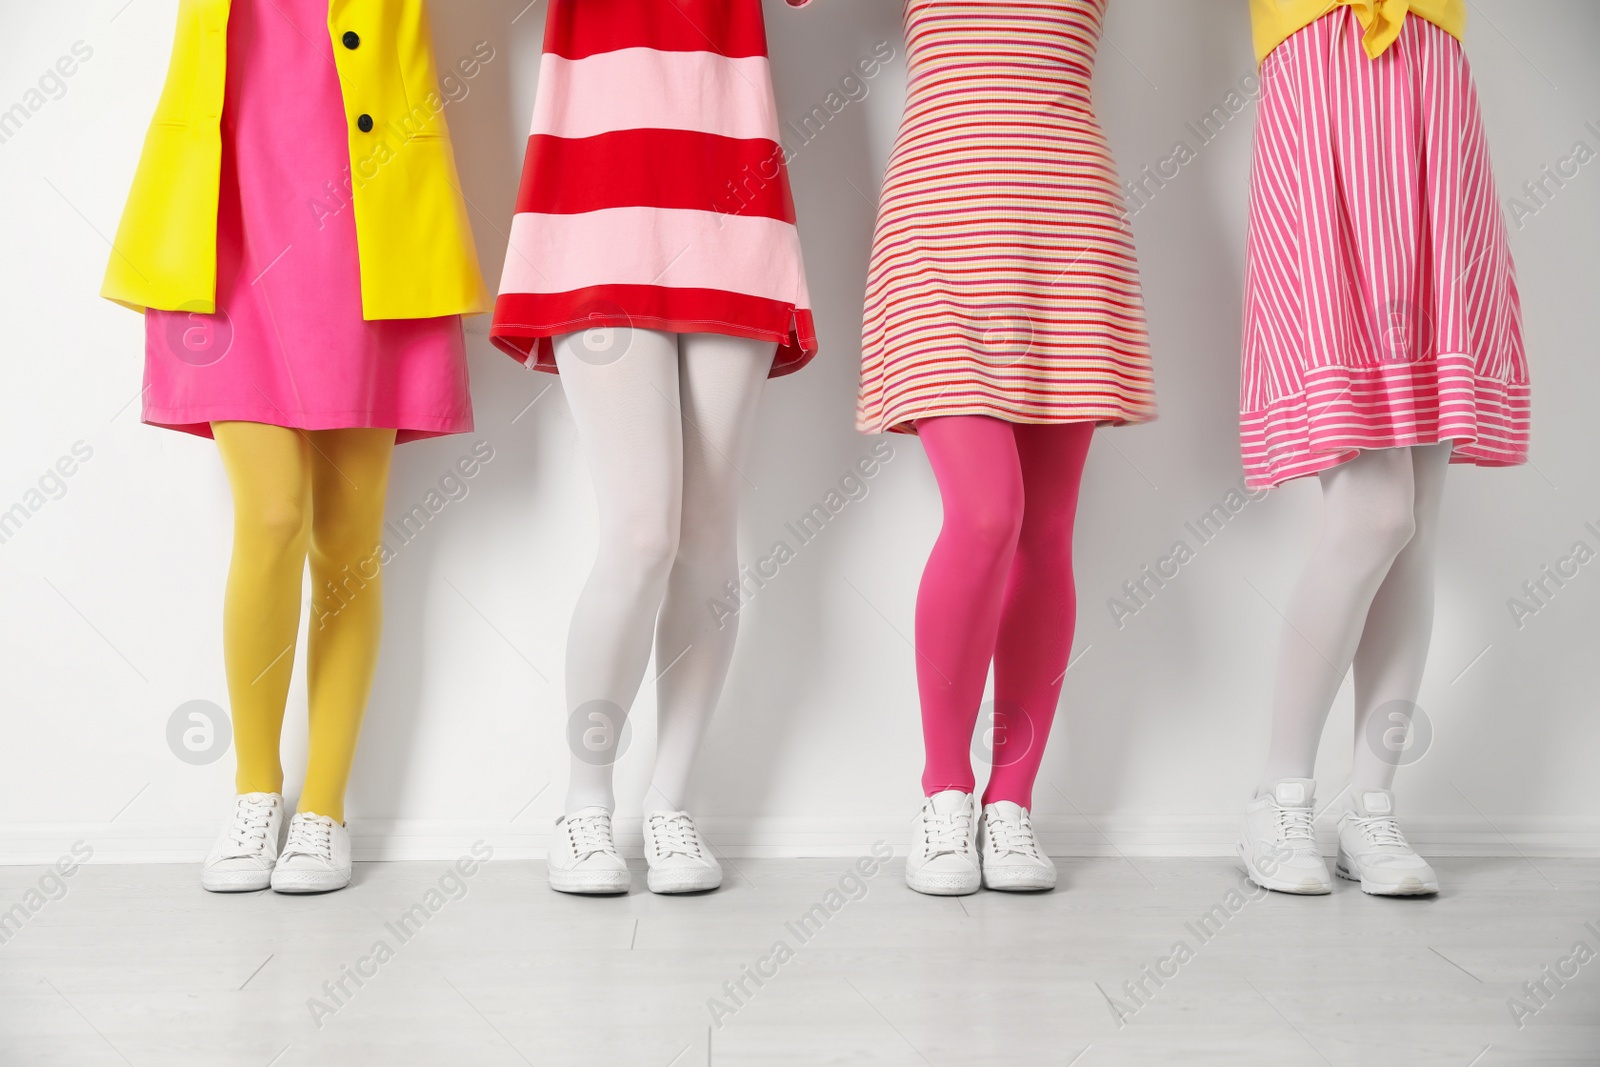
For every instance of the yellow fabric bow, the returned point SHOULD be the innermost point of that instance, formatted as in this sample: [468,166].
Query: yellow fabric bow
[1382,21]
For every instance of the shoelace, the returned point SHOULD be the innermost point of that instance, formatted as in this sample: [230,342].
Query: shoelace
[947,833]
[248,834]
[1295,829]
[1382,830]
[311,836]
[674,834]
[1016,837]
[590,834]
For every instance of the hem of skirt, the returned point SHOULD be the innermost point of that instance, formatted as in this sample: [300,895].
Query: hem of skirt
[533,343]
[906,421]
[1316,463]
[1343,411]
[197,421]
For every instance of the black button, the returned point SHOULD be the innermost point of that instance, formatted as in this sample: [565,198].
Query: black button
[365,123]
[352,39]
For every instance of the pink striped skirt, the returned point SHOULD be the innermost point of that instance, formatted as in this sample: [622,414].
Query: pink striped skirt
[1381,306]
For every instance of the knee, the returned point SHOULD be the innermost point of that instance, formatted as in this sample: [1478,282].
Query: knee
[1050,532]
[642,553]
[1382,524]
[988,529]
[708,538]
[338,544]
[276,523]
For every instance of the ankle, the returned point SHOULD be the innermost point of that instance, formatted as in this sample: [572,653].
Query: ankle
[313,806]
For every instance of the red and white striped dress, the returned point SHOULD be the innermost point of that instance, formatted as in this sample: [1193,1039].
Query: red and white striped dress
[1381,306]
[655,192]
[1003,278]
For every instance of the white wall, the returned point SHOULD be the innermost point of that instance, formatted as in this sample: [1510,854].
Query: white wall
[112,591]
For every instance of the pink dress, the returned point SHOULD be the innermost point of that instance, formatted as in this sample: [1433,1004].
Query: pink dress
[1381,306]
[288,345]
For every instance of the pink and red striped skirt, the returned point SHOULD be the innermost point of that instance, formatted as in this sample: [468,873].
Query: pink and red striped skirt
[1381,306]
[655,192]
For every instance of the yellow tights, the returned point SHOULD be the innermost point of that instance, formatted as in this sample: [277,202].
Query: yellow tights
[298,493]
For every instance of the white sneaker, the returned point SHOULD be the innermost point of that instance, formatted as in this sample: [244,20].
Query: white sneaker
[943,861]
[582,856]
[1278,845]
[679,858]
[1010,851]
[242,858]
[316,858]
[1374,852]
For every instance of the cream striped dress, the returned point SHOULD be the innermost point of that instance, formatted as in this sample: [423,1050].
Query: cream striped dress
[1003,278]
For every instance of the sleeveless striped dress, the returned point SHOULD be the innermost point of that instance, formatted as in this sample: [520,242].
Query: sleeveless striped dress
[655,192]
[1003,279]
[1381,306]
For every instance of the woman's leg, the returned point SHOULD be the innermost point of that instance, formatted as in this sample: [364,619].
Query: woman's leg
[721,379]
[1368,506]
[1394,645]
[627,411]
[1040,608]
[269,473]
[975,461]
[350,481]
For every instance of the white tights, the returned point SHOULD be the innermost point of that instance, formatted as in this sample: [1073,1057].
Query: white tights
[666,422]
[1365,598]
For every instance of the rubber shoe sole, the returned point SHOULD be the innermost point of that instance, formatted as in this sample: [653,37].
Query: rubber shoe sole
[592,883]
[1019,879]
[944,885]
[235,881]
[1411,887]
[1309,886]
[300,883]
[683,880]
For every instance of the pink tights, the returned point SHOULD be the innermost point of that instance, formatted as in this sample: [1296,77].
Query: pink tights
[998,587]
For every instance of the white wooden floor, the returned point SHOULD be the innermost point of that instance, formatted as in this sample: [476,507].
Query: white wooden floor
[136,965]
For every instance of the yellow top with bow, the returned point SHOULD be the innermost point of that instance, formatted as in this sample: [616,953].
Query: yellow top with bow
[1275,21]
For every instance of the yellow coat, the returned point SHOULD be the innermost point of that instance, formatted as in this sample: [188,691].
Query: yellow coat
[1275,21]
[416,249]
